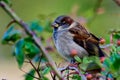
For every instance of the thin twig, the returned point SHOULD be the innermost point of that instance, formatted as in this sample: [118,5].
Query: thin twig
[10,23]
[37,71]
[29,74]
[38,67]
[25,26]
[51,75]
[39,62]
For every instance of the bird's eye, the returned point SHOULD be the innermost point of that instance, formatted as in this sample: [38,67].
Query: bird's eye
[64,22]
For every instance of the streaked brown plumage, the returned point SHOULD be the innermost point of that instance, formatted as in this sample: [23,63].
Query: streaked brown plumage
[67,32]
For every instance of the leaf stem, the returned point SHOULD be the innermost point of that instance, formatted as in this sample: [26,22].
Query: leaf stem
[37,71]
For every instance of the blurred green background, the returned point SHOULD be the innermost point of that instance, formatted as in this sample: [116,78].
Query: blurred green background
[107,18]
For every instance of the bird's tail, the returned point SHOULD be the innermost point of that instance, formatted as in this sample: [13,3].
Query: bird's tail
[101,53]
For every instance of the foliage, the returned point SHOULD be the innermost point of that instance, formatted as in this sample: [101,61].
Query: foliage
[26,51]
[25,48]
[11,35]
[30,74]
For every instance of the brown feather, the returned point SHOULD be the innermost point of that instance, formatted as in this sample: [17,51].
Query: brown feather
[85,39]
[81,33]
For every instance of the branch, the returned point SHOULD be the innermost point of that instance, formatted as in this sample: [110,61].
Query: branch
[37,71]
[29,74]
[25,26]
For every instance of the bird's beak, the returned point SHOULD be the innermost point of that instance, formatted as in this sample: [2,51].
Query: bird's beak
[55,25]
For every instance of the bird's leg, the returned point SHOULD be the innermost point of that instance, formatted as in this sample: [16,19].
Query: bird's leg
[72,61]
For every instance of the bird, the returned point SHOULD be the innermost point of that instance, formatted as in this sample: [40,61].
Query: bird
[69,35]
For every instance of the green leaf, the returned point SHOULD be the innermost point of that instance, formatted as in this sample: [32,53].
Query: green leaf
[35,26]
[118,49]
[45,78]
[76,77]
[77,59]
[11,35]
[116,35]
[46,70]
[115,66]
[92,66]
[111,63]
[32,73]
[86,60]
[30,49]
[19,54]
[37,58]
[25,47]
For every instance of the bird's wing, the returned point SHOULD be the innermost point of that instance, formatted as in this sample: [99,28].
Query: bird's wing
[81,33]
[85,39]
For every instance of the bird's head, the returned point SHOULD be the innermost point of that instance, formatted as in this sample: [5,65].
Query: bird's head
[62,22]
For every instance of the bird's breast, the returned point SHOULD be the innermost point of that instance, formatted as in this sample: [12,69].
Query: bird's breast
[64,44]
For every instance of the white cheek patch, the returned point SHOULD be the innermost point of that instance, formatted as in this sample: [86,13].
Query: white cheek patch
[60,28]
[73,25]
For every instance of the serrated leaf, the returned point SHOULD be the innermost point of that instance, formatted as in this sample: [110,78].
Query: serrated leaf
[32,73]
[77,59]
[19,54]
[11,35]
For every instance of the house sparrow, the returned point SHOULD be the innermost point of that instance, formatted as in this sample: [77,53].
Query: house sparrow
[70,35]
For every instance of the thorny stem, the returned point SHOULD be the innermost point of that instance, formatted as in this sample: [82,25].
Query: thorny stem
[25,26]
